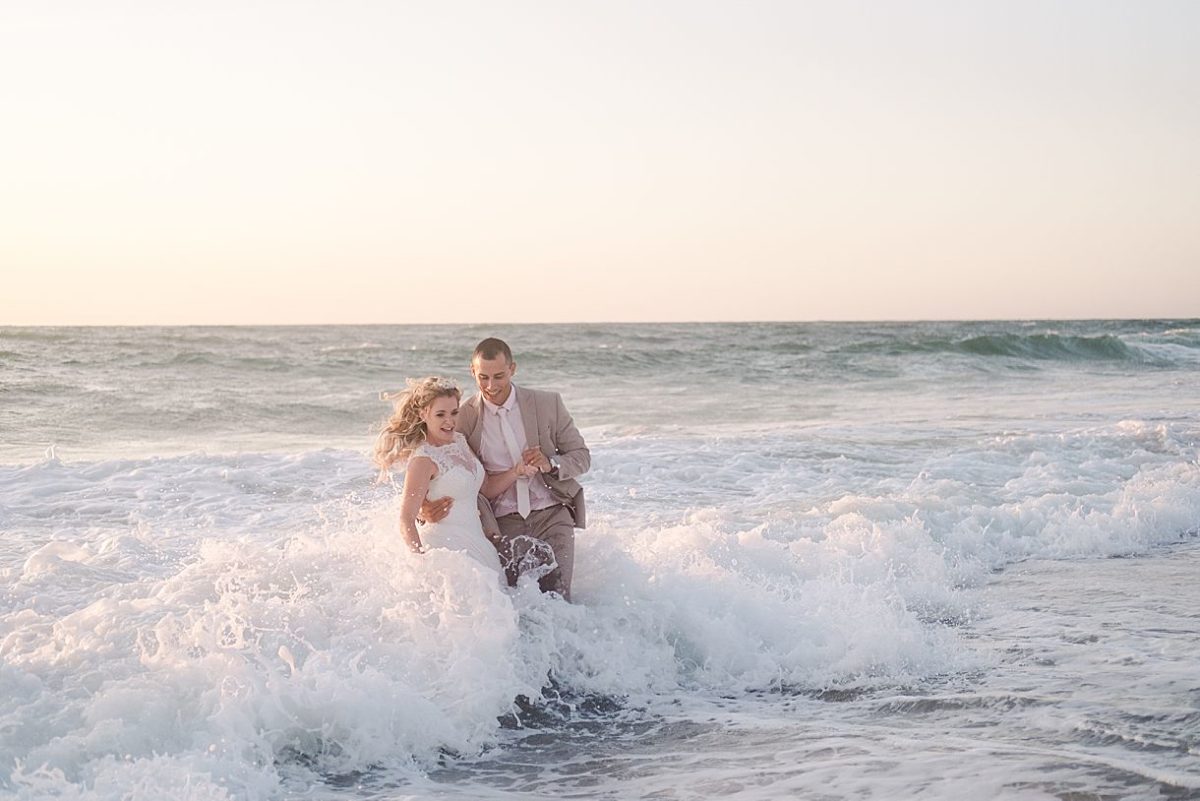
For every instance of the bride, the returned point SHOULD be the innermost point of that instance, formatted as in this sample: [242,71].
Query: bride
[422,430]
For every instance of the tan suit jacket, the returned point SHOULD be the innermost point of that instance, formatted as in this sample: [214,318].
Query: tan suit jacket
[548,425]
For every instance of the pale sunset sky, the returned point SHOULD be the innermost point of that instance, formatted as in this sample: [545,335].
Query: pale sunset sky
[414,162]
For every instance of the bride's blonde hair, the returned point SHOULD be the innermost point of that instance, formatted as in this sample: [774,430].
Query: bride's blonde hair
[405,429]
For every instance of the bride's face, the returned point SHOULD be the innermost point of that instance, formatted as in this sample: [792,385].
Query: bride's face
[441,419]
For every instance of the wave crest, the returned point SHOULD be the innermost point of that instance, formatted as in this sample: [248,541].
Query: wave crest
[1057,347]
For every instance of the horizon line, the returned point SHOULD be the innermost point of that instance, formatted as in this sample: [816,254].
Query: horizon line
[816,321]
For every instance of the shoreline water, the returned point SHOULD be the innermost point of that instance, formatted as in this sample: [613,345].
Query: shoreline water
[202,590]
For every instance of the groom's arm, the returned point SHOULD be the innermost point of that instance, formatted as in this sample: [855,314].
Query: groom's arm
[574,458]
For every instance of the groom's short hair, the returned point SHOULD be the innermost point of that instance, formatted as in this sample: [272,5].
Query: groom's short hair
[490,348]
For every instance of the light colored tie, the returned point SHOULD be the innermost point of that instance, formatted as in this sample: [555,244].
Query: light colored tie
[514,450]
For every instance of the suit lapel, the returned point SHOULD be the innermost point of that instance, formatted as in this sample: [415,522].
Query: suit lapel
[475,435]
[528,403]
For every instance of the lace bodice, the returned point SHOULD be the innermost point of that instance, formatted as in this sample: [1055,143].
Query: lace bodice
[459,475]
[447,457]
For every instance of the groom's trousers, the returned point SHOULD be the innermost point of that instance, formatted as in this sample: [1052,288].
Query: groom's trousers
[545,541]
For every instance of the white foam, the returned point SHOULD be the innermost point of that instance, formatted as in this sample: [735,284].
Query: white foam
[215,617]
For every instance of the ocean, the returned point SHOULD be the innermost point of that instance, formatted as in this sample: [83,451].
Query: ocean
[823,561]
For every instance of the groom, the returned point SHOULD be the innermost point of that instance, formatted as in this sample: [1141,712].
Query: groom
[506,425]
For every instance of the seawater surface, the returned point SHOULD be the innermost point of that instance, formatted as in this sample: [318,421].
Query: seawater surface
[937,560]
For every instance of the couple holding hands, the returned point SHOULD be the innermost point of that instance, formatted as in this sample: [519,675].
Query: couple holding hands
[494,476]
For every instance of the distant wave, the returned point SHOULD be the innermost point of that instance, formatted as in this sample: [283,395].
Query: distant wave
[193,358]
[1054,347]
[1033,347]
[351,348]
[36,334]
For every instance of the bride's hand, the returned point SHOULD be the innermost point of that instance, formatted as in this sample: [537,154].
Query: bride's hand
[526,471]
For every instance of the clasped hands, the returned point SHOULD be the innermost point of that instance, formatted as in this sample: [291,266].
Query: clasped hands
[533,461]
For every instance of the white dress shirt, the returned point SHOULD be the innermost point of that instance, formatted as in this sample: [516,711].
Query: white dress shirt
[493,452]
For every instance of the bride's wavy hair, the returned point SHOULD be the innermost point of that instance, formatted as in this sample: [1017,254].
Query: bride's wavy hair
[405,430]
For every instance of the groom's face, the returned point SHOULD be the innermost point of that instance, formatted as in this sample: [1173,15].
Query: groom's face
[494,377]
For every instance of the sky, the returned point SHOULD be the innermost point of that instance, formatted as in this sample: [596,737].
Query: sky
[300,162]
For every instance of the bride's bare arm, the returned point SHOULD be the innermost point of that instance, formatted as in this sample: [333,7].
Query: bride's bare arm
[496,483]
[417,475]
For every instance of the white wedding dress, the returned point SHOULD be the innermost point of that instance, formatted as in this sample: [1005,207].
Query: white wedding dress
[459,476]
